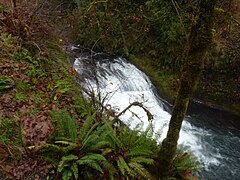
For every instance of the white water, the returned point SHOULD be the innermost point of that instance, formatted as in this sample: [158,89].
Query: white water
[123,83]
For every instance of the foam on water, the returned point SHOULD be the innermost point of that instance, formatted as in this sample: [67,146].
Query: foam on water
[124,84]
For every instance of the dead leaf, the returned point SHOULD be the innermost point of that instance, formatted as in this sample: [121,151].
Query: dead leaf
[37,129]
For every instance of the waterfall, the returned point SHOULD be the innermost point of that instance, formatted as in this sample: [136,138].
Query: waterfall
[122,83]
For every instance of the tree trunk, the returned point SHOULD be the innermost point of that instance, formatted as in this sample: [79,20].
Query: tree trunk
[200,38]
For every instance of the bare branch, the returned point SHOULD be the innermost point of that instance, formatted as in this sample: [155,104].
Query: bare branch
[149,115]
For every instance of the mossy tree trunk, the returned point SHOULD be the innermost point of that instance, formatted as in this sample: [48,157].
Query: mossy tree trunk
[200,38]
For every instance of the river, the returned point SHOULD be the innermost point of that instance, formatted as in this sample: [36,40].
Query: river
[211,136]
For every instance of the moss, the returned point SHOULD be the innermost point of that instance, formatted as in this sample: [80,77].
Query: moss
[200,40]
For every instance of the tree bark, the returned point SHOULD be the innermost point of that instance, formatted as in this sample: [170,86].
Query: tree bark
[200,38]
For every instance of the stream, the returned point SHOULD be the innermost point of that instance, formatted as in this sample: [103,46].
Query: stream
[212,136]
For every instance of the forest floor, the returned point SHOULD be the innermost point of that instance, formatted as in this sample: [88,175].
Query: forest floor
[35,80]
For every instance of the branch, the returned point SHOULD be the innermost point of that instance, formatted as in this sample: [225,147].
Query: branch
[149,115]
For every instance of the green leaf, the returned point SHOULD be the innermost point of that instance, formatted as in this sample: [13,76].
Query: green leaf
[97,157]
[142,160]
[74,169]
[66,175]
[69,157]
[140,170]
[90,163]
[140,151]
[122,165]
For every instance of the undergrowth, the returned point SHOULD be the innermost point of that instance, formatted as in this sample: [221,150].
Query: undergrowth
[48,129]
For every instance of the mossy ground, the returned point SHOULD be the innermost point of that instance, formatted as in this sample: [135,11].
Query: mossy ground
[36,79]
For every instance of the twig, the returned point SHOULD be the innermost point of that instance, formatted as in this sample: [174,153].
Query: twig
[149,115]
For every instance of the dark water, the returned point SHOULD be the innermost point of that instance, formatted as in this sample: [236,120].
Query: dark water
[224,139]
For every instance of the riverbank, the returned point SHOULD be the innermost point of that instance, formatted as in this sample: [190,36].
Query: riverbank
[167,82]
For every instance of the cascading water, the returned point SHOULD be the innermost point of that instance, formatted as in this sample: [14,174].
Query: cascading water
[123,84]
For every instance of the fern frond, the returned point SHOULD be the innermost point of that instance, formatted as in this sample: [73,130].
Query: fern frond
[140,170]
[128,137]
[65,162]
[97,137]
[113,141]
[142,160]
[149,131]
[89,141]
[50,147]
[94,156]
[90,163]
[140,151]
[70,157]
[87,126]
[62,166]
[74,169]
[64,143]
[67,126]
[109,168]
[67,174]
[122,165]
[98,145]
[67,146]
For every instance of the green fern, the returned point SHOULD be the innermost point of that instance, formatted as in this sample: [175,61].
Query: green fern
[6,130]
[92,161]
[131,151]
[185,161]
[98,147]
[140,170]
[88,126]
[66,126]
[80,149]
[122,165]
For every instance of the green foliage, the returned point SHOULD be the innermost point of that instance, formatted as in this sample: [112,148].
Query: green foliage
[3,9]
[7,44]
[135,27]
[6,130]
[22,86]
[66,125]
[185,161]
[97,148]
[132,151]
[19,96]
[63,86]
[6,83]
[25,55]
[7,39]
[77,148]
[37,64]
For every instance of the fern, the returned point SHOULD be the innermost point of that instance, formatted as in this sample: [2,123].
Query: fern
[66,126]
[70,157]
[122,165]
[133,150]
[142,160]
[136,151]
[6,130]
[183,161]
[111,169]
[66,175]
[87,126]
[74,169]
[85,150]
[92,163]
[139,169]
